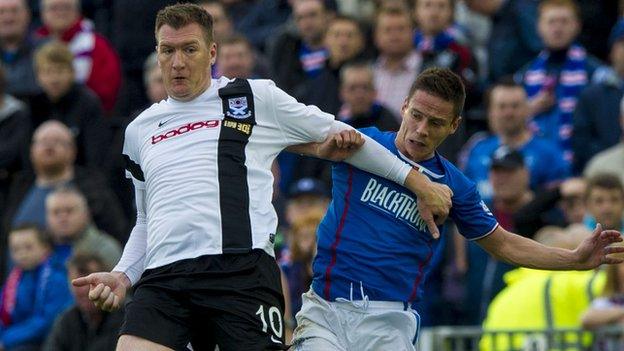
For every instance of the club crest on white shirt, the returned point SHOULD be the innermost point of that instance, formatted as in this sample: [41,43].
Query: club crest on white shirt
[238,108]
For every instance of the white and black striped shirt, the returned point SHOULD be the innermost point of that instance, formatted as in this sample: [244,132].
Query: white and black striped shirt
[205,166]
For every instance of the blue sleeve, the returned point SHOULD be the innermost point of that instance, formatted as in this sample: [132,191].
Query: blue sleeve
[56,298]
[472,217]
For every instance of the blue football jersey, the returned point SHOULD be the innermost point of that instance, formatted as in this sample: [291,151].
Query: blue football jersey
[372,238]
[543,158]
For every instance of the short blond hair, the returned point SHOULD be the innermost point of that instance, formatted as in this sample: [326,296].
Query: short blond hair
[54,52]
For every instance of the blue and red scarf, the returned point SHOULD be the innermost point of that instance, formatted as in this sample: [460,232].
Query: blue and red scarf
[440,42]
[568,85]
[9,292]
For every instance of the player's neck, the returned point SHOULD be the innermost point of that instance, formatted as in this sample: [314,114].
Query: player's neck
[516,140]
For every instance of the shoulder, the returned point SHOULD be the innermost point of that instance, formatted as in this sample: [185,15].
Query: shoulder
[456,180]
[543,145]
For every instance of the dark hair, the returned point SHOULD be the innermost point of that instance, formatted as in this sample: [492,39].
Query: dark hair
[608,181]
[571,4]
[42,236]
[346,18]
[81,261]
[442,83]
[505,82]
[180,15]
[236,39]
[356,65]
[393,11]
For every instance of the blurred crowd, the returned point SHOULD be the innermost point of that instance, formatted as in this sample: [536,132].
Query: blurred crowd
[540,136]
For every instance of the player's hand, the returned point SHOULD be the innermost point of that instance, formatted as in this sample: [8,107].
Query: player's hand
[434,204]
[340,146]
[434,200]
[597,248]
[106,290]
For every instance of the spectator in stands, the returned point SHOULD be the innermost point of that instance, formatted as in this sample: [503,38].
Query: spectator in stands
[599,113]
[608,308]
[224,32]
[344,40]
[16,48]
[222,26]
[299,55]
[15,129]
[509,176]
[71,228]
[235,58]
[514,40]
[558,206]
[96,63]
[542,300]
[34,294]
[604,199]
[53,153]
[610,160]
[398,62]
[556,77]
[84,327]
[134,41]
[297,264]
[306,195]
[508,117]
[152,77]
[261,19]
[360,108]
[439,43]
[64,100]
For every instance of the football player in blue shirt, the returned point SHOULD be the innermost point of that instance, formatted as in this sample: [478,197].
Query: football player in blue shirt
[374,249]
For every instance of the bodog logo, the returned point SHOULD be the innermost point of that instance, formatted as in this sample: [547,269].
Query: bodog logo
[185,129]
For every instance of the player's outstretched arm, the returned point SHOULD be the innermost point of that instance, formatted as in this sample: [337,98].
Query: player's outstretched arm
[108,289]
[520,251]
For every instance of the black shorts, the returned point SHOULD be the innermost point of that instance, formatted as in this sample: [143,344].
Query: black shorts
[231,300]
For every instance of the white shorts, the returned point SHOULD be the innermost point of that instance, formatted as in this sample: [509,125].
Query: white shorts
[355,325]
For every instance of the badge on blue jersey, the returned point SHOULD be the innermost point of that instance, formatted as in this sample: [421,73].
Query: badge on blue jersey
[238,108]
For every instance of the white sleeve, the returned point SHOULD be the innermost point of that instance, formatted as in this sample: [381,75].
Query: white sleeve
[298,123]
[373,158]
[132,261]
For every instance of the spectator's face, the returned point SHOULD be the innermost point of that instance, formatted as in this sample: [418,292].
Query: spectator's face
[26,250]
[433,16]
[155,88]
[303,204]
[508,110]
[305,239]
[558,27]
[509,185]
[236,60]
[358,90]
[185,59]
[427,121]
[81,294]
[55,79]
[393,34]
[311,19]
[606,206]
[344,41]
[59,15]
[52,150]
[14,19]
[221,24]
[617,56]
[67,217]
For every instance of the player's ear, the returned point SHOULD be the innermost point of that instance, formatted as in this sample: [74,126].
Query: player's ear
[455,124]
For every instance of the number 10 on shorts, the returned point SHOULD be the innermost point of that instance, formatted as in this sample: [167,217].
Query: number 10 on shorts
[274,314]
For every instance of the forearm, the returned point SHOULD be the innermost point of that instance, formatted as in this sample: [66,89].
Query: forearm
[597,317]
[132,260]
[520,251]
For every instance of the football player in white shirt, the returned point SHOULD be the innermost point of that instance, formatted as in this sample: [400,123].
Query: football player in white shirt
[200,256]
